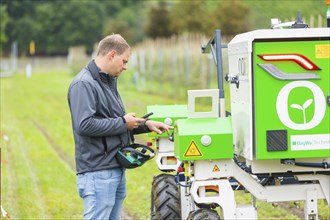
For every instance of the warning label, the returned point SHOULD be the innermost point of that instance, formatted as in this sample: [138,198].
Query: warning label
[215,169]
[192,150]
[322,50]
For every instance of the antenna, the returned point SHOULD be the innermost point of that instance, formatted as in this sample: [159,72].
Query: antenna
[299,23]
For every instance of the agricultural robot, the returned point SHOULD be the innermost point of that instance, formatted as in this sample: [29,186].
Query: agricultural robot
[274,142]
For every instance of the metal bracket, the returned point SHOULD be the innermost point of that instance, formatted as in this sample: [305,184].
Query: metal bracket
[311,205]
[232,80]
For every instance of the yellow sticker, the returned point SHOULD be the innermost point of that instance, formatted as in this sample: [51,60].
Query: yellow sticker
[192,150]
[322,50]
[216,169]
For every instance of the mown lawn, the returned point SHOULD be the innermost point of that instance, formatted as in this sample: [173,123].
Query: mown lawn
[37,152]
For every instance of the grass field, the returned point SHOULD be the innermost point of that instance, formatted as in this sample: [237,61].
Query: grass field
[37,153]
[37,150]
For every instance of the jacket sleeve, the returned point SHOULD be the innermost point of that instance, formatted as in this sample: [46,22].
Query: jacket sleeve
[141,129]
[82,102]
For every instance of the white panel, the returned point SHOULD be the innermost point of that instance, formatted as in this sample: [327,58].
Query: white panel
[193,94]
[241,99]
[165,145]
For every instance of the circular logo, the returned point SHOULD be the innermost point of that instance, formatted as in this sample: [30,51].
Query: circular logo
[319,103]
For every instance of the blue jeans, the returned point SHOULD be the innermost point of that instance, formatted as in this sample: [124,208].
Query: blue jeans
[103,192]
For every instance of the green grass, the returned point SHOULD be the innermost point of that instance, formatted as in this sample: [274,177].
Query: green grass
[37,176]
[37,182]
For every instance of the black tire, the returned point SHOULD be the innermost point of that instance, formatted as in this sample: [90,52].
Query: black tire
[165,198]
[203,214]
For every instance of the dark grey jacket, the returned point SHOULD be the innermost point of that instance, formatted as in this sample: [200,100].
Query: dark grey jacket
[97,135]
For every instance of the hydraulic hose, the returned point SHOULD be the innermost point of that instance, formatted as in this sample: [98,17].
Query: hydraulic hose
[324,165]
[241,165]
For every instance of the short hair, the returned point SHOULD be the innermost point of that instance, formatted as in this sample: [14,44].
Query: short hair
[112,42]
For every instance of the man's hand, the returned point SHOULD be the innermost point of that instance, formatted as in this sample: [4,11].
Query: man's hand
[158,127]
[132,122]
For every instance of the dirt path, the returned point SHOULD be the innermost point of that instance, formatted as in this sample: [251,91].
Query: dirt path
[18,153]
[34,178]
[64,157]
[12,178]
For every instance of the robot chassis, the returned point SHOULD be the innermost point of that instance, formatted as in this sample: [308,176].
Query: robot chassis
[262,146]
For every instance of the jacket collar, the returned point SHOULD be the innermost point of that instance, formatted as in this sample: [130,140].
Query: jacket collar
[104,76]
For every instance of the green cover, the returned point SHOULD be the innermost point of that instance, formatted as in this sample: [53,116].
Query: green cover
[188,134]
[307,127]
[162,112]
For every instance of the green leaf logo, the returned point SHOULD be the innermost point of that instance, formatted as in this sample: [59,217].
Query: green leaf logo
[303,107]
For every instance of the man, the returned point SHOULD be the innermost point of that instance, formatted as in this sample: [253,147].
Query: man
[100,127]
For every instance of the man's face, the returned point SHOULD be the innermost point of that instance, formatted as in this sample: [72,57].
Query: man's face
[117,62]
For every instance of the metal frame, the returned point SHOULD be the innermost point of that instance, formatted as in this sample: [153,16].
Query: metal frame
[214,46]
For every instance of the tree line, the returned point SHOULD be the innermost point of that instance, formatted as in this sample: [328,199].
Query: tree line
[55,26]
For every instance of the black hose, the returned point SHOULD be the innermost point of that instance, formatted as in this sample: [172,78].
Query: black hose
[241,165]
[324,165]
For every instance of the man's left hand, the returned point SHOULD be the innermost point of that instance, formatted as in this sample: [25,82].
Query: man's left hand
[158,127]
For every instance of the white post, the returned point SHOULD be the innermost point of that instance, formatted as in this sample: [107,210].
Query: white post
[28,71]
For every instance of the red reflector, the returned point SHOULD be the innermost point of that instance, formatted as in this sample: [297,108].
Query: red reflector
[298,58]
[149,144]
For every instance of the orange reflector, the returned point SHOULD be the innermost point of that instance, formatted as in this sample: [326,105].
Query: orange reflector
[212,188]
[171,158]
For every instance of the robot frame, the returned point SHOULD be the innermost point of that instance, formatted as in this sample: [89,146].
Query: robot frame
[274,143]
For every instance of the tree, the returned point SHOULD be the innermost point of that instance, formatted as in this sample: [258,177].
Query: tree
[71,24]
[3,23]
[54,26]
[158,22]
[232,17]
[19,26]
[128,21]
[286,11]
[189,16]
